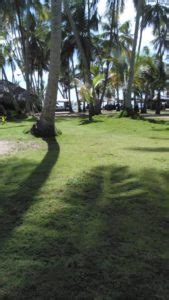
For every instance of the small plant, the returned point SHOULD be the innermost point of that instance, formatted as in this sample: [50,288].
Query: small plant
[3,120]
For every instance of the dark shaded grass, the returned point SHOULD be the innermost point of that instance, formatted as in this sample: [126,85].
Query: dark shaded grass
[150,149]
[15,200]
[161,129]
[108,240]
[160,138]
[6,128]
[156,121]
[88,122]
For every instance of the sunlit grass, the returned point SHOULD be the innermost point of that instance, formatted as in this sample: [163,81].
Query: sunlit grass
[89,218]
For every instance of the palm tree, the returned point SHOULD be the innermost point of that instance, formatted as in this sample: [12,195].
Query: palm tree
[113,40]
[86,66]
[78,41]
[18,17]
[158,18]
[114,60]
[139,8]
[146,76]
[45,127]
[81,28]
[151,16]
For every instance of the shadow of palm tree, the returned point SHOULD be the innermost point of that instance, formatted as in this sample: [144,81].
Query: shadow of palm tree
[150,149]
[156,121]
[160,138]
[7,127]
[161,129]
[13,207]
[88,122]
[106,237]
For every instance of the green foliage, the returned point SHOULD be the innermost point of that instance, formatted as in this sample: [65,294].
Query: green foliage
[86,91]
[129,113]
[3,120]
[97,80]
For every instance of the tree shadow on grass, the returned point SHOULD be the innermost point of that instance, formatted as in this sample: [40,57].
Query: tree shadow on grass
[159,138]
[104,236]
[6,127]
[160,129]
[20,119]
[155,119]
[88,122]
[150,149]
[18,191]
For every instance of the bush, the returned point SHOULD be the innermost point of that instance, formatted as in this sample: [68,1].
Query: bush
[129,113]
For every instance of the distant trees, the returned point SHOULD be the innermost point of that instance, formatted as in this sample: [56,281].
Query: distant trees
[91,48]
[159,20]
[156,16]
[146,78]
[26,40]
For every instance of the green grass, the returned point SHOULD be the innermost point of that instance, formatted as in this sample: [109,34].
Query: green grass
[86,217]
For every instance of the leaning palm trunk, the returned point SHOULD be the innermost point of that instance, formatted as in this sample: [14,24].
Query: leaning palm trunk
[109,54]
[45,127]
[27,59]
[78,41]
[27,75]
[4,73]
[141,37]
[75,84]
[158,103]
[82,53]
[25,49]
[128,104]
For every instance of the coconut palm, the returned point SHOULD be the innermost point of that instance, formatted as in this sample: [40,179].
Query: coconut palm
[118,58]
[159,20]
[19,18]
[146,78]
[112,32]
[82,16]
[139,4]
[45,127]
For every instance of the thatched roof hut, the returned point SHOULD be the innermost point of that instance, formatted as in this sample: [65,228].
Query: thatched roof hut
[13,97]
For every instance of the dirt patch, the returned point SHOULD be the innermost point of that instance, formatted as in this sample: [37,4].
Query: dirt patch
[8,147]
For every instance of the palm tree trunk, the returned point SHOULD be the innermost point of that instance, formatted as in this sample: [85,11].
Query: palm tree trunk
[128,105]
[78,41]
[27,61]
[13,72]
[76,90]
[158,103]
[4,73]
[78,100]
[117,91]
[69,97]
[109,52]
[82,53]
[69,89]
[145,102]
[60,91]
[84,106]
[25,50]
[141,37]
[45,127]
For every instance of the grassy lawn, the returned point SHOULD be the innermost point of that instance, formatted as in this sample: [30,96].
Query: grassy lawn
[86,217]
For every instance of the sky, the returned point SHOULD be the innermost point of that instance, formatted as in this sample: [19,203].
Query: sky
[128,14]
